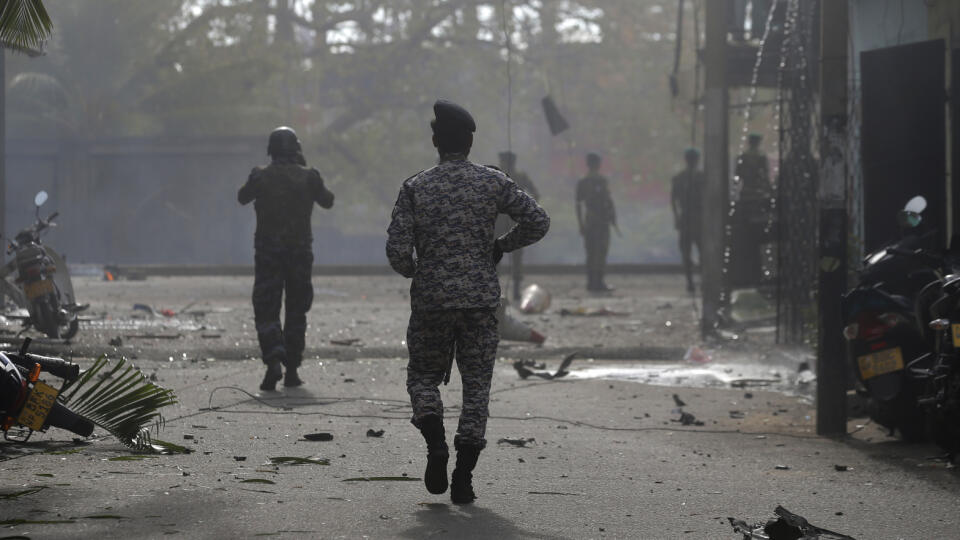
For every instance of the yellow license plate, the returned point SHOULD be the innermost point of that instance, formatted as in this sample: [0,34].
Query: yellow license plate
[38,405]
[880,362]
[38,288]
[955,330]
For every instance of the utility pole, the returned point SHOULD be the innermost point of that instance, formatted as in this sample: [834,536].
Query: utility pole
[831,372]
[3,162]
[716,152]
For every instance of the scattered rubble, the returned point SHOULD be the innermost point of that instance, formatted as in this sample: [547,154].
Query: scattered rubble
[524,372]
[787,526]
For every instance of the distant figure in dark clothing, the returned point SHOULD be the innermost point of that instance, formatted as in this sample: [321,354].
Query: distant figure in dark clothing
[283,193]
[595,215]
[686,200]
[508,164]
[753,170]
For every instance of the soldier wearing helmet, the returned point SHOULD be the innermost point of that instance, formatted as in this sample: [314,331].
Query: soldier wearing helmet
[283,194]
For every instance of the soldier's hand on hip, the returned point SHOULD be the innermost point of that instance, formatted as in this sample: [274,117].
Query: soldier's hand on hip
[497,252]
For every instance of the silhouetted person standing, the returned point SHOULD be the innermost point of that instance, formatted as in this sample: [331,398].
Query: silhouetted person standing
[283,195]
[753,169]
[686,200]
[595,215]
[508,164]
[446,214]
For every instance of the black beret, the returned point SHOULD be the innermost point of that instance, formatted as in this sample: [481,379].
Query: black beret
[449,115]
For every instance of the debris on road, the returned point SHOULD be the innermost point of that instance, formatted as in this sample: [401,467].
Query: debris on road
[678,401]
[525,372]
[318,436]
[518,442]
[376,433]
[345,342]
[582,311]
[293,460]
[535,299]
[787,526]
[782,467]
[512,329]
[153,336]
[842,468]
[687,419]
[696,355]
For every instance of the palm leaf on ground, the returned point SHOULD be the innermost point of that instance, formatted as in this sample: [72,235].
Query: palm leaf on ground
[121,400]
[24,25]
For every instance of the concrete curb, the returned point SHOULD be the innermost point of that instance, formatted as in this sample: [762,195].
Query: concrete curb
[67,350]
[171,270]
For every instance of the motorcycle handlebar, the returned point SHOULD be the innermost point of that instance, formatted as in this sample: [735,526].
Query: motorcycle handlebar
[926,258]
[55,366]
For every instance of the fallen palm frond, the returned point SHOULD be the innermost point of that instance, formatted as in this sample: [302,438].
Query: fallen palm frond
[24,25]
[121,400]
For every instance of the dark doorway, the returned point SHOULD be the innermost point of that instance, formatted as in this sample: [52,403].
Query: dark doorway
[903,138]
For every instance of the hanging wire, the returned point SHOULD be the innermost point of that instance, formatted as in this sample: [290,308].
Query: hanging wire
[509,46]
[696,73]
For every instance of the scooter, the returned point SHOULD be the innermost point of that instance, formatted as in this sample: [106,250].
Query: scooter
[42,285]
[28,404]
[882,328]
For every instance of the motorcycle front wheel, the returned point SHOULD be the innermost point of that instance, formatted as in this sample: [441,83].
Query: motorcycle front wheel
[62,417]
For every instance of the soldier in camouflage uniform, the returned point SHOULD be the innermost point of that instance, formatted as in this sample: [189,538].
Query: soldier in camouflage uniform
[447,214]
[508,164]
[283,193]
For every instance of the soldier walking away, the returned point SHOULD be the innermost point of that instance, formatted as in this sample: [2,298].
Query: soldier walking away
[283,193]
[595,214]
[508,164]
[686,200]
[447,215]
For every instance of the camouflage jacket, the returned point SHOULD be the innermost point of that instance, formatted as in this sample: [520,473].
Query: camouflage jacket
[447,214]
[284,194]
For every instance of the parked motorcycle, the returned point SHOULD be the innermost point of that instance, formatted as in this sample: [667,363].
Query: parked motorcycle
[882,329]
[32,404]
[938,372]
[42,285]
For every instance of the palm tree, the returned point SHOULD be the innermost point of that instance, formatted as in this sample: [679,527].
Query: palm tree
[24,25]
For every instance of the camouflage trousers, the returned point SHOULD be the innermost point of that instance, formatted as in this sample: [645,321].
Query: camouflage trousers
[282,269]
[434,338]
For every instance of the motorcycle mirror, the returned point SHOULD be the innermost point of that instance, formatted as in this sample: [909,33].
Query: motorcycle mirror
[40,198]
[916,205]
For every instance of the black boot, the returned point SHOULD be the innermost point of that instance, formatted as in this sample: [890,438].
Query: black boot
[435,477]
[290,378]
[461,482]
[273,375]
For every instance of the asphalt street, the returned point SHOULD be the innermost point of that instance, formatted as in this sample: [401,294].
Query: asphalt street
[587,456]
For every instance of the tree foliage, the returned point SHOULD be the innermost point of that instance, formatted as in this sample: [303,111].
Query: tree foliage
[357,79]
